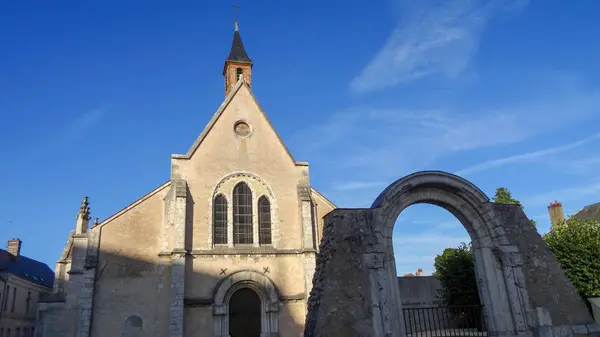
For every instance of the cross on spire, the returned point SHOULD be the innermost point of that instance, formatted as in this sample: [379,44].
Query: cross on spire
[236,8]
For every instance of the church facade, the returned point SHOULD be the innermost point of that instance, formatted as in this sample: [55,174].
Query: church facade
[225,247]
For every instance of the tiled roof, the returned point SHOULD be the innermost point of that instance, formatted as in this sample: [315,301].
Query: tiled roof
[590,212]
[26,268]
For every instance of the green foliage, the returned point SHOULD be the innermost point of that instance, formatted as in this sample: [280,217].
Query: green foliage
[576,245]
[503,196]
[456,271]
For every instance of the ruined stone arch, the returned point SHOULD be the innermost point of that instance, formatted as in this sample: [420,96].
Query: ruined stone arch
[473,209]
[262,285]
[259,187]
[355,289]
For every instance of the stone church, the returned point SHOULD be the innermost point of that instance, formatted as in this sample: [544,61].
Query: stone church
[225,247]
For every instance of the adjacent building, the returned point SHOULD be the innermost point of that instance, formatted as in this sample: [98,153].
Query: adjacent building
[225,247]
[22,282]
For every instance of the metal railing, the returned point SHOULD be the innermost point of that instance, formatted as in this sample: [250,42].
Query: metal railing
[450,321]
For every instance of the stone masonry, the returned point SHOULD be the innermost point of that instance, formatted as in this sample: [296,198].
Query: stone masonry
[523,289]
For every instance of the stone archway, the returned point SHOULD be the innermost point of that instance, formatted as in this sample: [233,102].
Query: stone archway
[263,286]
[473,209]
[355,288]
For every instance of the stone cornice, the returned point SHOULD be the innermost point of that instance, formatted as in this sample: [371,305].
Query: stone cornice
[238,251]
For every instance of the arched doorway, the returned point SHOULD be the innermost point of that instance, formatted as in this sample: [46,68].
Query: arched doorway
[241,293]
[244,313]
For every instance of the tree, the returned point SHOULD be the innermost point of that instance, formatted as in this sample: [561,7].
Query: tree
[456,271]
[503,196]
[576,245]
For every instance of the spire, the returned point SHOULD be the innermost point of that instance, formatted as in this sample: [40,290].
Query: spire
[237,52]
[83,217]
[237,64]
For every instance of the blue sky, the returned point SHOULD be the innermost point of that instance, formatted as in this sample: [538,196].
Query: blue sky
[95,97]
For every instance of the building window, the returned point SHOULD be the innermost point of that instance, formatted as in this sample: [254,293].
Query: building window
[26,332]
[12,306]
[242,214]
[18,332]
[220,220]
[264,221]
[239,72]
[27,301]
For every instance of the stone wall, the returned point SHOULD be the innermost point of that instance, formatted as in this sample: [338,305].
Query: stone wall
[339,303]
[554,294]
[419,291]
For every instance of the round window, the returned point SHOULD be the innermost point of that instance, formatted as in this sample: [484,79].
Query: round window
[242,129]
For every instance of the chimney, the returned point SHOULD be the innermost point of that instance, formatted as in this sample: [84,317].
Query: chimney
[557,216]
[14,246]
[419,272]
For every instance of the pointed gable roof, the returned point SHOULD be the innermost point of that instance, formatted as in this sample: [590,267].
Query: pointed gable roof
[218,114]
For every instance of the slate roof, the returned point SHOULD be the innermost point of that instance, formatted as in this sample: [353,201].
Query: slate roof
[238,53]
[26,268]
[590,212]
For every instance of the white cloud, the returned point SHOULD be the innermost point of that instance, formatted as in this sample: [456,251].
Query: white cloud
[370,145]
[414,259]
[524,157]
[439,241]
[67,136]
[358,185]
[419,250]
[576,166]
[432,37]
[565,194]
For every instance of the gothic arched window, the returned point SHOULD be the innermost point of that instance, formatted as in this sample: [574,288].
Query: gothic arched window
[220,220]
[238,72]
[264,221]
[242,214]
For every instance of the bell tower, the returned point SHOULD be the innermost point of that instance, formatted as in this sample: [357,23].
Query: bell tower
[237,64]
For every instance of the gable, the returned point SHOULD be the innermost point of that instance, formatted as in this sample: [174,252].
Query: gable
[133,205]
[241,86]
[321,198]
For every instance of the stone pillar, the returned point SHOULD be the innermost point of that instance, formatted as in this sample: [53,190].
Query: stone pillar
[88,282]
[307,227]
[178,259]
[308,238]
[309,273]
[80,242]
[353,294]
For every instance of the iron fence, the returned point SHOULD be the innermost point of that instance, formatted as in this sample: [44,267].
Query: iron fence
[450,321]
